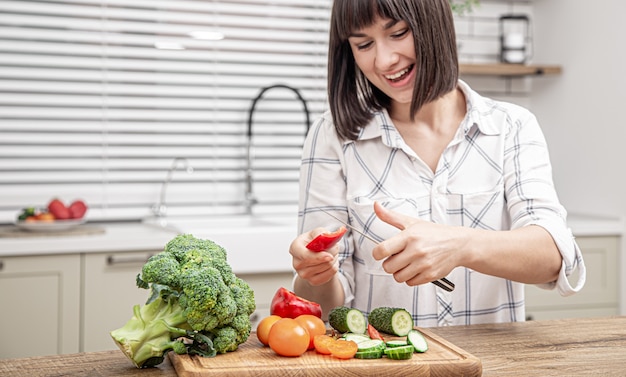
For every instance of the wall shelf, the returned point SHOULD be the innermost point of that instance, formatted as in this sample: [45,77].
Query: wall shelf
[508,70]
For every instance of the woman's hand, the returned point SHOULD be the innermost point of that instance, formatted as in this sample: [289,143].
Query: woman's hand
[422,252]
[316,268]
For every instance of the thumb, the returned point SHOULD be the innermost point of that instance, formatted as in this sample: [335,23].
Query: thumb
[394,218]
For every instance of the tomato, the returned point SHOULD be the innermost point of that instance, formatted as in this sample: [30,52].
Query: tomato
[314,325]
[263,328]
[373,333]
[288,338]
[343,349]
[322,342]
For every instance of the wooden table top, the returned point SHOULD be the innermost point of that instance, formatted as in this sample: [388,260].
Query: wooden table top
[567,347]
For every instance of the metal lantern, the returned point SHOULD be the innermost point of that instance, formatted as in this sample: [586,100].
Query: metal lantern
[514,38]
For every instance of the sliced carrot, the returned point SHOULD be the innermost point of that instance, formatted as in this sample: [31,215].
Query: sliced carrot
[343,349]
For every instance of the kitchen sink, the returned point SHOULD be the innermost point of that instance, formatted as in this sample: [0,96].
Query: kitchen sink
[254,243]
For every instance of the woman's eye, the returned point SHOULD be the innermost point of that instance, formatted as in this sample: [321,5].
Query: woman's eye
[400,33]
[363,46]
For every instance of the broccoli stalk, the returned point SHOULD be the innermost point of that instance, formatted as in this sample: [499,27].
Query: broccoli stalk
[196,306]
[151,332]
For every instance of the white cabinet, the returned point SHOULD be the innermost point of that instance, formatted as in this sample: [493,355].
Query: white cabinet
[599,296]
[110,292]
[40,300]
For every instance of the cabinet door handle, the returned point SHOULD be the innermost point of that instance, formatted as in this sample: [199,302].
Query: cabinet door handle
[1,265]
[113,260]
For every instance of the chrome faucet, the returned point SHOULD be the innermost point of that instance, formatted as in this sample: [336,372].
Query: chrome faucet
[160,208]
[250,199]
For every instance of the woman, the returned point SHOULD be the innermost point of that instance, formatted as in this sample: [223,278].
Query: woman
[450,183]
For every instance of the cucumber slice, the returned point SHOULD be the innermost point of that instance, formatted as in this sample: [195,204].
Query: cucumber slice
[400,353]
[396,343]
[396,321]
[417,340]
[356,338]
[344,319]
[370,354]
[372,344]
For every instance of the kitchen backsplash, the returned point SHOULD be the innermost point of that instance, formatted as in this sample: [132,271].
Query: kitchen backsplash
[478,36]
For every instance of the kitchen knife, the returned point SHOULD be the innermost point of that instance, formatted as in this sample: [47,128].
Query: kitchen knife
[442,283]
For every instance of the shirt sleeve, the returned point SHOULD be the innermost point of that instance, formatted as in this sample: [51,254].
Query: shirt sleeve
[532,198]
[322,184]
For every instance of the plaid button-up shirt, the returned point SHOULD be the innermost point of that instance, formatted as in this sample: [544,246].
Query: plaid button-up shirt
[495,174]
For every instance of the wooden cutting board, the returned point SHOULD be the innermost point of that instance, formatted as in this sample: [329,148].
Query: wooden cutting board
[443,359]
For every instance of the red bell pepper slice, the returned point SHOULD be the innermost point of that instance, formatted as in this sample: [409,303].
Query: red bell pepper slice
[326,240]
[287,304]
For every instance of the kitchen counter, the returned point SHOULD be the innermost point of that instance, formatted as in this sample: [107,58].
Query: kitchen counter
[107,237]
[567,347]
[136,236]
[241,239]
[585,225]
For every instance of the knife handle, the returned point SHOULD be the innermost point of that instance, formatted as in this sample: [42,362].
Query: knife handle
[444,284]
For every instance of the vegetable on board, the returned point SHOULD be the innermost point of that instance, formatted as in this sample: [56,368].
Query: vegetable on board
[417,340]
[197,305]
[373,333]
[400,353]
[396,321]
[345,319]
[287,304]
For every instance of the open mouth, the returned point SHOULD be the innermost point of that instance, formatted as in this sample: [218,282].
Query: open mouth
[399,75]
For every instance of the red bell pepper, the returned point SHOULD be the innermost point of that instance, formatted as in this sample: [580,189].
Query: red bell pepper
[287,304]
[326,240]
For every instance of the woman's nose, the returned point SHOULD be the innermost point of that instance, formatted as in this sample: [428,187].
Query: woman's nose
[386,57]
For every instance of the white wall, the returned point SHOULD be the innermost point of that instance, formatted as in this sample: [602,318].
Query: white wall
[582,111]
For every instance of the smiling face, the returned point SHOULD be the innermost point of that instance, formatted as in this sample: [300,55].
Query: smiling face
[385,53]
[388,54]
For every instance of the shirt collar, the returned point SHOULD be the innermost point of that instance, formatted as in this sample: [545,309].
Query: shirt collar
[478,110]
[381,126]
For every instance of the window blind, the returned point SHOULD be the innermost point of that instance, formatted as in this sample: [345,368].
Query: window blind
[99,97]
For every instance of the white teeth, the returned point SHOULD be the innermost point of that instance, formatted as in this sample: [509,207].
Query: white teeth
[397,75]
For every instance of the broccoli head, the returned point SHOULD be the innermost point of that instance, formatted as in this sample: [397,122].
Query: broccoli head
[197,305]
[224,339]
[180,244]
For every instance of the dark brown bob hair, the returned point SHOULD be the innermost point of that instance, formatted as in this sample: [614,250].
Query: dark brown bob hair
[351,97]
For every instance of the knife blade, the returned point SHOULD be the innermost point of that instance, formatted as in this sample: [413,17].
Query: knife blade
[349,226]
[442,283]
